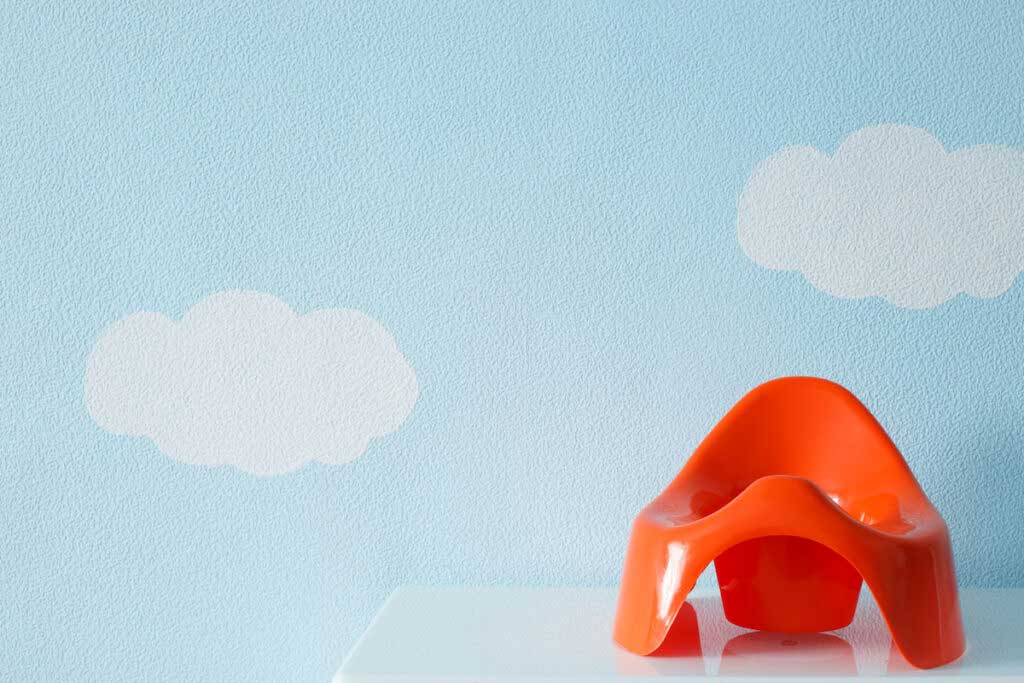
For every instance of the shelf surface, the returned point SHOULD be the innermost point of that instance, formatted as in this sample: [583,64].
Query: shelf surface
[550,635]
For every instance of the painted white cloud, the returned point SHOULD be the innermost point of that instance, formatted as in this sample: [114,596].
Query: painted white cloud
[890,214]
[243,380]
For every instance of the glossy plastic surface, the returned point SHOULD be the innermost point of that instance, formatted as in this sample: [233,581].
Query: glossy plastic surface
[797,491]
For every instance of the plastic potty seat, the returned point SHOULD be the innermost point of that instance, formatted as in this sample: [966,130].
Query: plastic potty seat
[798,495]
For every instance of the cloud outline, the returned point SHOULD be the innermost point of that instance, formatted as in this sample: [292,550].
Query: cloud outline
[891,213]
[242,379]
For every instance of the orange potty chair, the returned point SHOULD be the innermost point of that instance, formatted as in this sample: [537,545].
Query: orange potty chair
[797,495]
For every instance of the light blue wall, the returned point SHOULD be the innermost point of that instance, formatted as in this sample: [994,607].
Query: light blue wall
[540,203]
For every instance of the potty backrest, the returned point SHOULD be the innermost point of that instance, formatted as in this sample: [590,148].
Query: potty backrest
[806,427]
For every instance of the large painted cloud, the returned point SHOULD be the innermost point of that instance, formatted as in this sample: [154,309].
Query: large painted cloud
[243,380]
[890,214]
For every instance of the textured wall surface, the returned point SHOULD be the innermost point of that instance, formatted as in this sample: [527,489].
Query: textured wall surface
[540,204]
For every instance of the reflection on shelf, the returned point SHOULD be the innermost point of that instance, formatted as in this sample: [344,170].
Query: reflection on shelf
[702,641]
[789,654]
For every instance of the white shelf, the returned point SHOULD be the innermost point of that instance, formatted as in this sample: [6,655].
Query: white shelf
[551,635]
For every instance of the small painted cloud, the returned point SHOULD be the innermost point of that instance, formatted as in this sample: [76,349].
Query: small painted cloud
[243,380]
[890,214]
